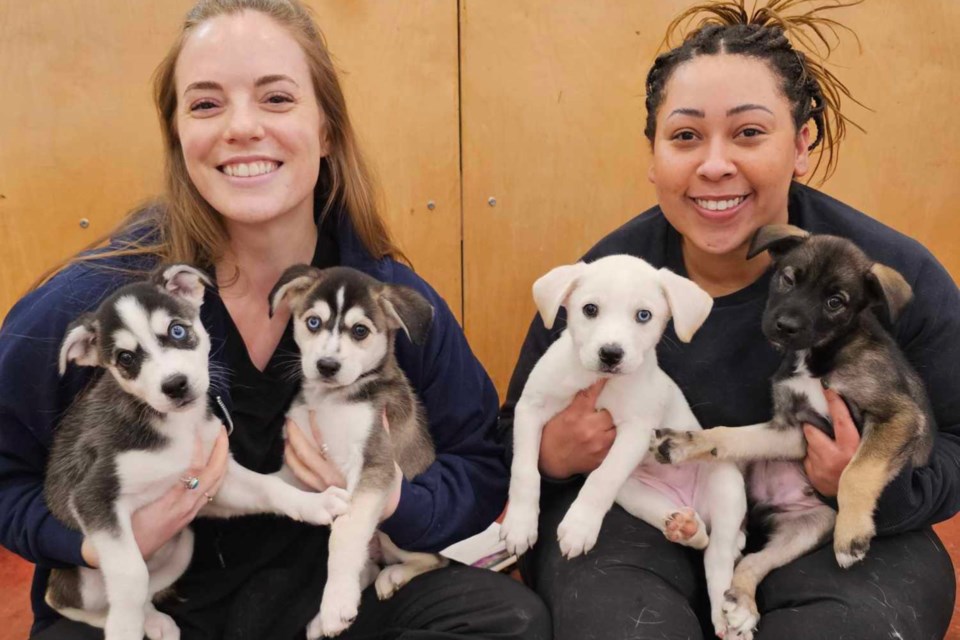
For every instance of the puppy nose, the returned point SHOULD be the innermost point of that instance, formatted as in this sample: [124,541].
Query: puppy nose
[788,325]
[328,367]
[611,354]
[175,387]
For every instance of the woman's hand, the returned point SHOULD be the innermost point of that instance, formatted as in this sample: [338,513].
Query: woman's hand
[157,523]
[577,439]
[308,460]
[827,457]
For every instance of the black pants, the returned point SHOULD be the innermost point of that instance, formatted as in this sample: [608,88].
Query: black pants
[454,602]
[636,584]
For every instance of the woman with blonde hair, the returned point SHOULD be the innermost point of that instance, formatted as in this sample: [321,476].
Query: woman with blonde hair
[262,172]
[732,116]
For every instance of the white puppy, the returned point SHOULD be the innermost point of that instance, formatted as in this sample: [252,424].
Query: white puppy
[617,309]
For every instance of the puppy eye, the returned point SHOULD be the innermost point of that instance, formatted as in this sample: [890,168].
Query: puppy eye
[591,310]
[644,316]
[313,323]
[177,331]
[835,302]
[359,332]
[125,358]
[786,279]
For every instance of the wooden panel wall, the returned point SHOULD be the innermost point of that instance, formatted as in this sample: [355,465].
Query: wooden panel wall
[553,115]
[79,137]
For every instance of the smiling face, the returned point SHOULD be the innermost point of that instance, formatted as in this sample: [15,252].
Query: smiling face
[248,120]
[725,152]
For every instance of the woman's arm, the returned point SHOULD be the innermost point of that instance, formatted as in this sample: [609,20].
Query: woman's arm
[929,333]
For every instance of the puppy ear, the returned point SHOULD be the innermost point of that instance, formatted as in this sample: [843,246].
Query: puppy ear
[689,304]
[778,239]
[293,283]
[80,343]
[550,291]
[888,290]
[408,310]
[182,281]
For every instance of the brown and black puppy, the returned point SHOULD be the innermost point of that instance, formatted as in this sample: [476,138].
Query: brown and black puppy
[345,323]
[822,311]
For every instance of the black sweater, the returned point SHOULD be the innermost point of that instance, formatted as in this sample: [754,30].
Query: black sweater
[725,371]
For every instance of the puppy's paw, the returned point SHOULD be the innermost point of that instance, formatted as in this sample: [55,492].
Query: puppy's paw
[392,579]
[578,531]
[338,610]
[851,552]
[740,615]
[851,539]
[519,528]
[670,447]
[685,527]
[322,508]
[160,626]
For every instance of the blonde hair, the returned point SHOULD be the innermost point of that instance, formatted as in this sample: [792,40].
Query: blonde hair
[182,226]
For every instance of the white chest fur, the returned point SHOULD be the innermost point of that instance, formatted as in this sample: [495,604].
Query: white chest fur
[803,383]
[344,427]
[146,475]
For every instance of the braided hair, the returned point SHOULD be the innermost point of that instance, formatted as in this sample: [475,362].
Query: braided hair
[725,27]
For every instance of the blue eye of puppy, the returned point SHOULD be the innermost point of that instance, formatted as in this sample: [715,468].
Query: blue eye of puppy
[591,310]
[125,358]
[835,302]
[359,332]
[643,316]
[177,331]
[313,323]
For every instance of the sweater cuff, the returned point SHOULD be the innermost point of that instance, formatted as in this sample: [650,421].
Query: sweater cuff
[410,520]
[59,546]
[895,505]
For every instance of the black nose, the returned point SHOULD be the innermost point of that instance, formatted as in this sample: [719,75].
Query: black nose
[788,325]
[611,354]
[328,367]
[175,387]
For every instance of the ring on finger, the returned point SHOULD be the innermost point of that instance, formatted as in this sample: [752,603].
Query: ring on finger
[324,450]
[190,482]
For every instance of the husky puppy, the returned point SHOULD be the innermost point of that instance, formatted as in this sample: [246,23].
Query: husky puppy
[130,437]
[822,312]
[617,310]
[345,323]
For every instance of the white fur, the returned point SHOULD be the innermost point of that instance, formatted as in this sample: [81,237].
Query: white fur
[344,428]
[640,398]
[806,385]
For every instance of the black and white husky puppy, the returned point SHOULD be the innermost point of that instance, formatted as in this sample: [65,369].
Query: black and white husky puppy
[130,437]
[345,323]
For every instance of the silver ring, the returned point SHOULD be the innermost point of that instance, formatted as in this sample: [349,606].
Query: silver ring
[324,450]
[190,482]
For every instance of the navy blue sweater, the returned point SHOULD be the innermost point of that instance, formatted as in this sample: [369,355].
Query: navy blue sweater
[459,495]
[725,371]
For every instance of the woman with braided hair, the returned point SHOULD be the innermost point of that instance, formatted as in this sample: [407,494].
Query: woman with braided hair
[733,114]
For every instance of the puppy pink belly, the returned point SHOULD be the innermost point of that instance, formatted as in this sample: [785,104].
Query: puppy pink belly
[781,484]
[676,482]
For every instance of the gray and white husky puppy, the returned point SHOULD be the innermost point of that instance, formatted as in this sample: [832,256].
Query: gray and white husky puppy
[130,437]
[345,323]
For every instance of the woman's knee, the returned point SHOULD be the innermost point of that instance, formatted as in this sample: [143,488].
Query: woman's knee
[905,585]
